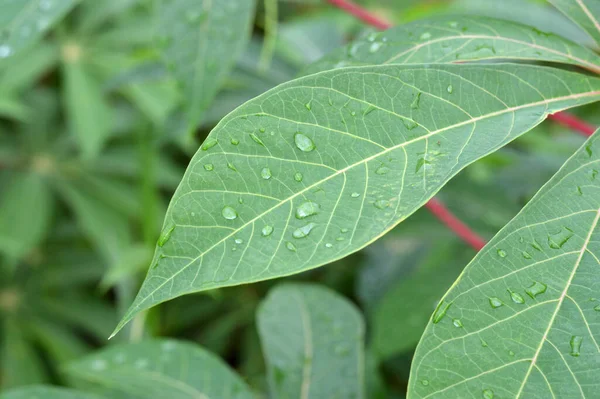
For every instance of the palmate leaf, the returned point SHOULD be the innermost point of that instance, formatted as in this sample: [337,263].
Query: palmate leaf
[158,369]
[523,319]
[458,39]
[319,167]
[585,13]
[313,343]
[202,40]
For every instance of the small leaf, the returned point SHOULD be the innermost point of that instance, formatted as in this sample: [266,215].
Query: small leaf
[159,369]
[201,40]
[308,332]
[585,13]
[543,341]
[457,39]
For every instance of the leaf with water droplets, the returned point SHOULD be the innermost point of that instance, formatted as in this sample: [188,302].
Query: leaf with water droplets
[540,345]
[23,22]
[203,39]
[585,13]
[178,370]
[306,332]
[447,39]
[343,159]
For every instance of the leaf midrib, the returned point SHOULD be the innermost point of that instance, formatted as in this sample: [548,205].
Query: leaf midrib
[343,170]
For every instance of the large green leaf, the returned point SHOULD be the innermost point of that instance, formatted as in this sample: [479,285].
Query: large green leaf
[159,369]
[585,13]
[46,392]
[313,343]
[22,22]
[458,39]
[319,167]
[523,319]
[202,40]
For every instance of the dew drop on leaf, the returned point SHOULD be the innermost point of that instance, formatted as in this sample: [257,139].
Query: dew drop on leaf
[298,177]
[235,141]
[425,382]
[256,139]
[239,241]
[440,311]
[229,213]
[501,253]
[425,36]
[560,238]
[303,142]
[209,167]
[450,89]
[369,109]
[355,195]
[516,297]
[575,343]
[588,149]
[374,47]
[416,101]
[231,166]
[165,235]
[382,170]
[329,245]
[290,246]
[308,105]
[597,308]
[409,124]
[483,343]
[265,173]
[267,231]
[209,143]
[535,289]
[495,302]
[262,130]
[488,394]
[536,246]
[307,209]
[381,204]
[526,255]
[344,230]
[457,323]
[303,231]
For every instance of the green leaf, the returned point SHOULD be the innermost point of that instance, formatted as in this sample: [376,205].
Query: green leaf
[458,39]
[585,13]
[159,369]
[202,40]
[522,320]
[312,339]
[26,206]
[319,167]
[46,392]
[23,22]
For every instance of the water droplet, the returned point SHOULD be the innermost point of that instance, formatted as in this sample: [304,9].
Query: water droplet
[329,245]
[209,143]
[340,239]
[303,231]
[344,230]
[536,245]
[267,231]
[240,200]
[501,253]
[516,297]
[231,166]
[593,174]
[495,302]
[375,46]
[511,353]
[381,204]
[307,209]
[235,141]
[420,163]
[450,89]
[575,343]
[265,173]
[5,51]
[290,246]
[535,289]
[98,364]
[409,124]
[425,36]
[165,235]
[488,394]
[304,143]
[298,177]
[597,308]
[369,109]
[229,213]
[262,130]
[457,323]
[239,241]
[425,382]
[526,255]
[521,239]
[308,105]
[209,167]
[453,24]
[355,195]
[440,311]
[382,170]
[483,342]
[256,139]
[416,101]
[557,240]
[578,191]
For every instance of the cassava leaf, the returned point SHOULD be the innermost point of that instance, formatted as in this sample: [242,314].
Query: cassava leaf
[158,369]
[319,167]
[46,392]
[458,39]
[585,13]
[22,22]
[523,319]
[202,40]
[313,343]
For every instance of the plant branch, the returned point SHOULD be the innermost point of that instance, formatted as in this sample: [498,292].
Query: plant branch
[361,13]
[456,225]
[573,122]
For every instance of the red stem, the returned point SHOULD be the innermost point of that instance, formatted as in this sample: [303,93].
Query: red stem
[434,205]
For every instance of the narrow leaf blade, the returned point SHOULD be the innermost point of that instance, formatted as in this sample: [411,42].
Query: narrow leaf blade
[585,13]
[313,343]
[523,316]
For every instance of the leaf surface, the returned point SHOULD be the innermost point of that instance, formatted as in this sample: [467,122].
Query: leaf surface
[458,39]
[202,40]
[159,369]
[312,339]
[46,392]
[585,13]
[523,319]
[319,167]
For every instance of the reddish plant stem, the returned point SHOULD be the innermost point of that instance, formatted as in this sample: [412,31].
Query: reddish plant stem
[434,205]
